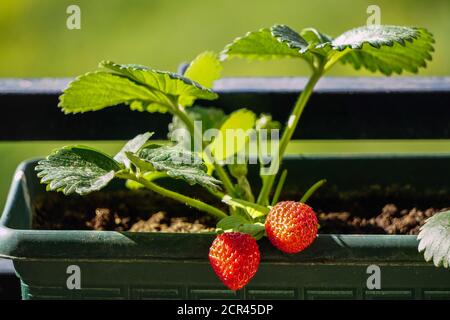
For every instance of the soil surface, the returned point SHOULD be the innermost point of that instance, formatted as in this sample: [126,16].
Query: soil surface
[145,211]
[138,211]
[391,220]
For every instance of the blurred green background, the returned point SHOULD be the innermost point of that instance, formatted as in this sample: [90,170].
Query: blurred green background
[34,42]
[161,33]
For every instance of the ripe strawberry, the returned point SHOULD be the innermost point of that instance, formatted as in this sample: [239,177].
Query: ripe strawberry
[234,256]
[291,226]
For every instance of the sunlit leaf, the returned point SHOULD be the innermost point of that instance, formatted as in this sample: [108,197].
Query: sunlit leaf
[233,134]
[171,84]
[205,69]
[179,163]
[77,169]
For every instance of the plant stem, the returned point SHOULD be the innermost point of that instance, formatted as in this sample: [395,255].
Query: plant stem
[200,205]
[312,189]
[240,203]
[279,187]
[196,134]
[263,197]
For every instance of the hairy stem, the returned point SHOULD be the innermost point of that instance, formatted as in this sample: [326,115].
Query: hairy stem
[200,205]
[263,197]
[240,203]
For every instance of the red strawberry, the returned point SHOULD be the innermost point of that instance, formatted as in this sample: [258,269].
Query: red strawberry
[234,257]
[291,226]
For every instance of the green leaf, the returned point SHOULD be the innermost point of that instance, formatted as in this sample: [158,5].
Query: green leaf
[179,163]
[290,37]
[257,230]
[141,166]
[237,125]
[231,222]
[210,117]
[296,41]
[172,84]
[132,146]
[316,40]
[77,169]
[434,239]
[97,90]
[314,37]
[259,45]
[388,49]
[205,69]
[240,224]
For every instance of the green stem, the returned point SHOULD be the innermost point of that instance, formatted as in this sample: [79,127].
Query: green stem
[196,134]
[227,184]
[312,189]
[240,203]
[200,205]
[263,197]
[279,187]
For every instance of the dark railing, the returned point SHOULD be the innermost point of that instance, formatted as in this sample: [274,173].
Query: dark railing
[340,108]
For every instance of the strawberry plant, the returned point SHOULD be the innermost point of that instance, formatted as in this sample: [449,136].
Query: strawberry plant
[202,158]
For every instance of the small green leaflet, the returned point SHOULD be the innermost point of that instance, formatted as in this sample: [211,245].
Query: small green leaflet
[132,146]
[314,37]
[434,239]
[77,169]
[172,84]
[259,45]
[179,163]
[240,224]
[205,69]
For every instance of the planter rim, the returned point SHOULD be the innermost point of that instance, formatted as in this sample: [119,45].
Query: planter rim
[20,244]
[125,246]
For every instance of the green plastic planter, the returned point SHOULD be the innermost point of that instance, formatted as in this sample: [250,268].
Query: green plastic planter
[124,265]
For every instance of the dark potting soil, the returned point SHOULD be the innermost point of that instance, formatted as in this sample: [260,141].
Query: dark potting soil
[139,211]
[373,211]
